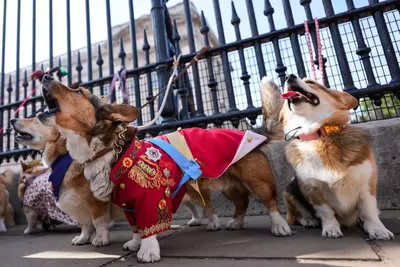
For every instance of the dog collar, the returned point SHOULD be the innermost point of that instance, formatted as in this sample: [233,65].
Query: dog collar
[30,179]
[325,130]
[119,147]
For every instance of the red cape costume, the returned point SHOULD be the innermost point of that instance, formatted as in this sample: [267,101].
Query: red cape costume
[145,176]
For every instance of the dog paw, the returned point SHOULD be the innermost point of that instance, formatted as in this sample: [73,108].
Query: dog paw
[149,250]
[3,227]
[309,222]
[100,241]
[235,224]
[195,222]
[80,240]
[146,256]
[281,230]
[213,226]
[377,231]
[30,231]
[332,231]
[279,225]
[132,245]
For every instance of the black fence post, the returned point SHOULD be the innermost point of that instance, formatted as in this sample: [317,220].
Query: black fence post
[294,41]
[280,67]
[387,45]
[136,84]
[161,46]
[339,48]
[3,53]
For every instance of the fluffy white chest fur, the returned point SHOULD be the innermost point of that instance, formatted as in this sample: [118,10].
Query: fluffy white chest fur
[340,189]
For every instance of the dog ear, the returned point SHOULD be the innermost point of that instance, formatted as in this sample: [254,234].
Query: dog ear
[346,99]
[281,116]
[24,166]
[119,113]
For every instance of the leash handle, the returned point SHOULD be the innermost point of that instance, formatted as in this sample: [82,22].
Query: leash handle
[194,60]
[319,48]
[310,50]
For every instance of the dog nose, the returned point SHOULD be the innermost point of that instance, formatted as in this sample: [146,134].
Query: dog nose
[291,77]
[47,77]
[13,121]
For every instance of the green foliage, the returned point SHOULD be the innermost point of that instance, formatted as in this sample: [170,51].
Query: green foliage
[368,111]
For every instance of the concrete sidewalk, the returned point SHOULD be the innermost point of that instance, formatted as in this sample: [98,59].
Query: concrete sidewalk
[184,246]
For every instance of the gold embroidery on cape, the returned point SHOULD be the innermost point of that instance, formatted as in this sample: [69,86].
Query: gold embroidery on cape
[147,169]
[148,174]
[154,229]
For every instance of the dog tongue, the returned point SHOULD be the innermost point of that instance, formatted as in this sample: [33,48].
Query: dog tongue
[290,95]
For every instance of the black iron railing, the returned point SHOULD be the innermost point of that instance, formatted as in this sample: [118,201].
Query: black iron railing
[361,56]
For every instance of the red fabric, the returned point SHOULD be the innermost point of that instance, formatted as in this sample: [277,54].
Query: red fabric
[151,208]
[214,149]
[144,194]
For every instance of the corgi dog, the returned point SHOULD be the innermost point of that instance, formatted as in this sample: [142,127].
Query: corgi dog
[335,170]
[6,209]
[71,187]
[140,175]
[37,198]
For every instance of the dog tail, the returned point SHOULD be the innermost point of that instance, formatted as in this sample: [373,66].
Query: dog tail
[271,107]
[7,177]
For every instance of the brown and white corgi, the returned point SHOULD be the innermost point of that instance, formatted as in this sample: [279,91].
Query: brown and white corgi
[75,197]
[6,209]
[335,170]
[97,133]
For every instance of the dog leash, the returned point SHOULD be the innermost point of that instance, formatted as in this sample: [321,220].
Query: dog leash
[120,77]
[38,74]
[173,78]
[176,64]
[319,50]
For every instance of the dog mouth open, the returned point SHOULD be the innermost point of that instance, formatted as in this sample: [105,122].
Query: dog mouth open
[22,136]
[51,102]
[297,95]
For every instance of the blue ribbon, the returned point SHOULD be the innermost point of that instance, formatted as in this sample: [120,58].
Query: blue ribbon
[190,168]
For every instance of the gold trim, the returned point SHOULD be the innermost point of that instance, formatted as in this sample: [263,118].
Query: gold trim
[154,229]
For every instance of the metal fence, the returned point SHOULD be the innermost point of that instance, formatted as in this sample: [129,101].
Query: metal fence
[361,50]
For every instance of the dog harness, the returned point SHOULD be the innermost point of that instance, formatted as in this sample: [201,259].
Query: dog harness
[150,175]
[59,168]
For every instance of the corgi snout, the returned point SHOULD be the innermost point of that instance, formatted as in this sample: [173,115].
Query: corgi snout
[290,78]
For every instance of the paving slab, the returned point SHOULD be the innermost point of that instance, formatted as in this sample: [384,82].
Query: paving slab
[54,248]
[256,241]
[183,262]
[186,246]
[391,250]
